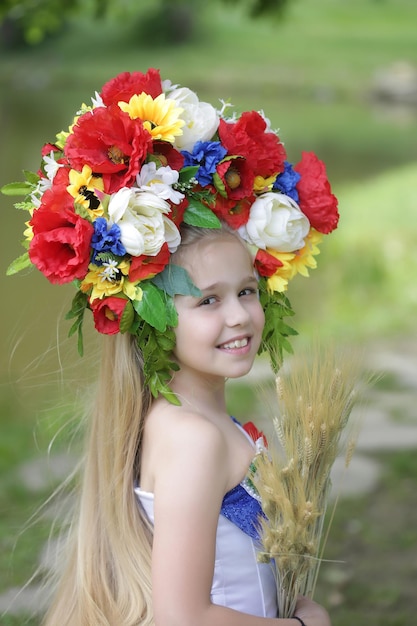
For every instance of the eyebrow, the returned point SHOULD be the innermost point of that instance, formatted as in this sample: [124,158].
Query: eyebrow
[251,279]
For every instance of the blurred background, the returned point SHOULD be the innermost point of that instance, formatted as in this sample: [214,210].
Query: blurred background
[335,77]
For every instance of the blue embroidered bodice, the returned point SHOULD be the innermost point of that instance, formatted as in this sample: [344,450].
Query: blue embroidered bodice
[243,510]
[241,506]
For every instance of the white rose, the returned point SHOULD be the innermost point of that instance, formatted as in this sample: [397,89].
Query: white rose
[140,218]
[201,118]
[172,234]
[277,222]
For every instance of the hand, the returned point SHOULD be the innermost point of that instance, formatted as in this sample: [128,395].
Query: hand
[311,613]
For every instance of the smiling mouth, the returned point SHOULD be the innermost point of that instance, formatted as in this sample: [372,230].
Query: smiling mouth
[237,343]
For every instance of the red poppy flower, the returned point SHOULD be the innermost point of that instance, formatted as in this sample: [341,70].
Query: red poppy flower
[248,138]
[61,179]
[145,266]
[315,195]
[125,85]
[111,143]
[236,178]
[60,247]
[254,433]
[47,148]
[234,213]
[266,264]
[107,314]
[168,155]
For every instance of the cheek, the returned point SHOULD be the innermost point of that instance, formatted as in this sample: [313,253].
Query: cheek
[258,317]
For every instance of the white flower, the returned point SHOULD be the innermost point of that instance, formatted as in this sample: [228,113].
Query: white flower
[277,222]
[201,119]
[159,181]
[139,214]
[172,234]
[51,166]
[97,101]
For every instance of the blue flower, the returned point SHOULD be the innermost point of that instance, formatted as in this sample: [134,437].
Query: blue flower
[107,240]
[206,154]
[287,180]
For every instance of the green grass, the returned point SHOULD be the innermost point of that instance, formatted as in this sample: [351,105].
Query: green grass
[372,544]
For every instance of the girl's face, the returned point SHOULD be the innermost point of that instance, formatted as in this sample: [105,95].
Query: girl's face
[219,333]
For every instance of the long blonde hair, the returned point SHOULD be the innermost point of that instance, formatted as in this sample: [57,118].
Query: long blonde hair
[106,580]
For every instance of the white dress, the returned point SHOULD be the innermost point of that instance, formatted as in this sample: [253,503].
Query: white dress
[240,582]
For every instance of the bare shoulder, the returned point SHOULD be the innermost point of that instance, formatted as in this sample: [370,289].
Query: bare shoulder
[173,428]
[178,440]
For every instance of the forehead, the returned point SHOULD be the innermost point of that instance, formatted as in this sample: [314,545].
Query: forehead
[214,258]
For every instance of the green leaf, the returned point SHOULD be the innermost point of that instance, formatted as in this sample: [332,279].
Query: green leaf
[82,212]
[31,177]
[127,318]
[188,173]
[172,315]
[276,331]
[197,214]
[175,280]
[219,185]
[16,189]
[78,307]
[24,206]
[21,263]
[152,307]
[158,366]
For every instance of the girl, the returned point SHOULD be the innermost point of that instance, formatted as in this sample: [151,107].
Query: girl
[172,220]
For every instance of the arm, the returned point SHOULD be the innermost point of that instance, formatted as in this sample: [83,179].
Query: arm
[190,482]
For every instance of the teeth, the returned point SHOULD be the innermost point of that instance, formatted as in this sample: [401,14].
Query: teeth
[239,343]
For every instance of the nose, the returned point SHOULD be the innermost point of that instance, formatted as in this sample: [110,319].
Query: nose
[237,314]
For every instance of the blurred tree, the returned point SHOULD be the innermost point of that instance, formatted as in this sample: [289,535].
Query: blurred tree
[257,8]
[29,22]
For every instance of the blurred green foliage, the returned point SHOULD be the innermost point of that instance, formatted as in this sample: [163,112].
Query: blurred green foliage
[29,22]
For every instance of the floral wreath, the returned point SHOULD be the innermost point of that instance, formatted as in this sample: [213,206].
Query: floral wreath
[147,156]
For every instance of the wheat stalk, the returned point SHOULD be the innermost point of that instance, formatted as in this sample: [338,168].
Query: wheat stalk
[315,401]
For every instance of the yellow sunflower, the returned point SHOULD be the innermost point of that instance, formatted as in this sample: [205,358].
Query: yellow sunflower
[304,258]
[83,186]
[279,280]
[110,279]
[160,116]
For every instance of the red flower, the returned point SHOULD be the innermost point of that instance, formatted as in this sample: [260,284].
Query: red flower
[236,177]
[315,195]
[125,85]
[111,143]
[144,266]
[263,151]
[254,433]
[47,148]
[234,213]
[107,314]
[60,247]
[177,211]
[266,264]
[61,179]
[168,155]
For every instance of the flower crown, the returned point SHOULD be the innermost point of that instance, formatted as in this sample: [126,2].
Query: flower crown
[107,205]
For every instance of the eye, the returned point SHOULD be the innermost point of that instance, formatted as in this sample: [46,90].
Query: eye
[248,291]
[207,301]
